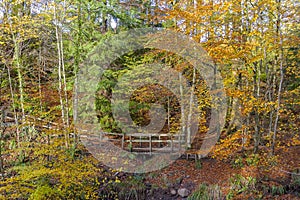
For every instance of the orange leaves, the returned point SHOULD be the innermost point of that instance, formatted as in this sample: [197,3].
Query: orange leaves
[295,140]
[228,146]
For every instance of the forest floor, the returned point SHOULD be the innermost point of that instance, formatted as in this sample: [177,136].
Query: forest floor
[185,174]
[188,174]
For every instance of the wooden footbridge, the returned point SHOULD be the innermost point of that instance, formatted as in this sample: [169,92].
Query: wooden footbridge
[144,143]
[153,143]
[147,143]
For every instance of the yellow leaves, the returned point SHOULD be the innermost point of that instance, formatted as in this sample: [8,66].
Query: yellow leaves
[254,19]
[255,59]
[23,28]
[224,6]
[117,180]
[65,174]
[221,52]
[17,2]
[254,33]
[70,19]
[296,140]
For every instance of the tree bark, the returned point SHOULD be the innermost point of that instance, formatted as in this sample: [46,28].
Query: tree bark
[183,121]
[60,90]
[189,120]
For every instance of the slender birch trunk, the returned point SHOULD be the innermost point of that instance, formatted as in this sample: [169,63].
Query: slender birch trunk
[279,34]
[60,89]
[189,120]
[183,121]
[256,114]
[64,72]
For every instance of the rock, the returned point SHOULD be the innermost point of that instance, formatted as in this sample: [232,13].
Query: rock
[173,191]
[183,192]
[179,180]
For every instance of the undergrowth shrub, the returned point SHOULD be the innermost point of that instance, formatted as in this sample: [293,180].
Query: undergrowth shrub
[207,192]
[131,189]
[242,185]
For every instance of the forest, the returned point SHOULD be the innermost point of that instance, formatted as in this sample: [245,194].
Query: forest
[149,99]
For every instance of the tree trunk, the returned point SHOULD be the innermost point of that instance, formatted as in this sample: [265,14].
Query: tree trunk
[256,114]
[16,59]
[59,53]
[14,106]
[279,34]
[183,121]
[189,120]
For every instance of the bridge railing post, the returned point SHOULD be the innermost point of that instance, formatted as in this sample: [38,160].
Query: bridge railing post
[150,143]
[140,141]
[123,138]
